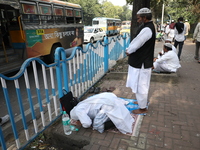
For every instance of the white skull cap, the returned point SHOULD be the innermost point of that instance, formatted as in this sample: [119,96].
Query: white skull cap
[169,40]
[168,45]
[144,11]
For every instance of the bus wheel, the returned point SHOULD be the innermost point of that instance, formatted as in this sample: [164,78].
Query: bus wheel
[50,58]
[92,40]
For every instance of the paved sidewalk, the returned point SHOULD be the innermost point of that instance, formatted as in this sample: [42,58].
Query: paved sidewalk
[172,121]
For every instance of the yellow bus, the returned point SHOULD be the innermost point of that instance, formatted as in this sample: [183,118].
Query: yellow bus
[36,28]
[110,25]
[127,22]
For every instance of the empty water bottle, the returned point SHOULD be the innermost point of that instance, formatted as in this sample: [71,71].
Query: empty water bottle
[66,123]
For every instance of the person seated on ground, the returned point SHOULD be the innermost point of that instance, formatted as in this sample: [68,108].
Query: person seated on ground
[168,62]
[173,47]
[101,108]
[4,119]
[160,35]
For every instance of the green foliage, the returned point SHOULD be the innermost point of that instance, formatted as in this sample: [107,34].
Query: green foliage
[92,9]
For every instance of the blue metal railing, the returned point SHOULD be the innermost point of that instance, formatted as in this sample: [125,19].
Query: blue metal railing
[41,101]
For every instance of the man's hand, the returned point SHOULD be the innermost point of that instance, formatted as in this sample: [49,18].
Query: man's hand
[127,54]
[194,41]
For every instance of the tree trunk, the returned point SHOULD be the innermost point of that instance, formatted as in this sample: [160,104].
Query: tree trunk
[137,4]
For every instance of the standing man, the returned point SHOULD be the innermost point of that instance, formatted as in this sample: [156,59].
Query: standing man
[187,24]
[196,37]
[179,35]
[141,54]
[171,33]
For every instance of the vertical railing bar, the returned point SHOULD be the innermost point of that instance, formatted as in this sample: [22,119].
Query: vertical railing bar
[5,90]
[30,101]
[53,91]
[19,98]
[46,92]
[38,92]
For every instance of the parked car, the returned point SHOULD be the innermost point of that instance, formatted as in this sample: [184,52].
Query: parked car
[92,34]
[125,29]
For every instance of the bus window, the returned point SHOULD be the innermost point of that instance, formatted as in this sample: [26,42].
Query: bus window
[45,10]
[59,18]
[70,16]
[29,16]
[95,22]
[77,14]
[46,17]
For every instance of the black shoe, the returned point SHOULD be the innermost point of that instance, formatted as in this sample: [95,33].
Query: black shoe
[91,90]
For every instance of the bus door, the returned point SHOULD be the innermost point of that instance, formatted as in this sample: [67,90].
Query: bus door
[12,42]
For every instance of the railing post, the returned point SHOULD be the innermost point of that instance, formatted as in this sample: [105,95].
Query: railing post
[58,72]
[106,54]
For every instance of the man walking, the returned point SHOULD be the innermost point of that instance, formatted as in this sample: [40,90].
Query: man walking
[187,24]
[141,53]
[196,37]
[180,30]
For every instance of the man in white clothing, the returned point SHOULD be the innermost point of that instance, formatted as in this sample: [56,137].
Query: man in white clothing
[173,48]
[100,108]
[168,61]
[141,53]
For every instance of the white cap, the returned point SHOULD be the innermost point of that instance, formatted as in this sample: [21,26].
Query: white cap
[144,11]
[186,20]
[169,40]
[168,45]
[172,20]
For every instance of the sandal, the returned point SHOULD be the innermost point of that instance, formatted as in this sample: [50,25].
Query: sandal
[104,89]
[4,119]
[111,89]
[97,90]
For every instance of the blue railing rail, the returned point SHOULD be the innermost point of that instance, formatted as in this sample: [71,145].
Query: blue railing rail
[44,86]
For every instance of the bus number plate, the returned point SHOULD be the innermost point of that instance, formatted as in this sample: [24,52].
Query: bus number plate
[40,31]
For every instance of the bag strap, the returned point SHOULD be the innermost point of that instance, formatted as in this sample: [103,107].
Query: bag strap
[65,92]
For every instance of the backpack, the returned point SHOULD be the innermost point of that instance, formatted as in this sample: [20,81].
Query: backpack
[68,101]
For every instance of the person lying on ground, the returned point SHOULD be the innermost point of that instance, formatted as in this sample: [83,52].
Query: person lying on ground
[168,62]
[98,109]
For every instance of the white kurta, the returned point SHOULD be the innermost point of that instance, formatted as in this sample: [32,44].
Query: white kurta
[139,79]
[173,49]
[168,62]
[100,108]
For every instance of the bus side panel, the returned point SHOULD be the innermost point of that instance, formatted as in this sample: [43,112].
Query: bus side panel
[111,29]
[40,41]
[16,39]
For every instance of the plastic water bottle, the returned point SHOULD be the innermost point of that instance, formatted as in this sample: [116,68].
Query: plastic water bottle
[66,123]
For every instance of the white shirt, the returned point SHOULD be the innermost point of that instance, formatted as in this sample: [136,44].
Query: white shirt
[170,59]
[144,35]
[167,29]
[180,37]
